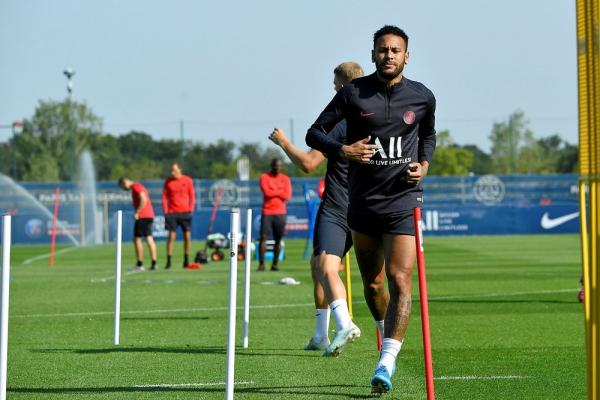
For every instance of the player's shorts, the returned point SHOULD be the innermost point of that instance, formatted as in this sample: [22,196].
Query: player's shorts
[143,227]
[332,234]
[397,223]
[272,223]
[174,220]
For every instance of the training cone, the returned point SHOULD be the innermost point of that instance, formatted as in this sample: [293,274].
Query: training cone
[194,265]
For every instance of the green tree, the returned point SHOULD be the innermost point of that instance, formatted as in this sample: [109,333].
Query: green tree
[64,129]
[260,159]
[482,161]
[449,159]
[568,159]
[506,138]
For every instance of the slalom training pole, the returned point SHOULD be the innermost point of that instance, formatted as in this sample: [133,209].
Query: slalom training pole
[379,339]
[348,283]
[6,240]
[248,260]
[233,249]
[424,304]
[118,276]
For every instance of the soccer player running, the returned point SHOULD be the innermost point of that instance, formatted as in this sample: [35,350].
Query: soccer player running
[394,117]
[332,238]
[144,217]
[178,201]
[276,188]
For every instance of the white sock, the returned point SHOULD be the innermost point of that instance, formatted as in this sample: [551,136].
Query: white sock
[339,308]
[389,352]
[380,327]
[322,324]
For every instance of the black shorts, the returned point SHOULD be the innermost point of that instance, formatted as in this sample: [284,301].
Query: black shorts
[143,227]
[272,223]
[332,234]
[174,220]
[397,223]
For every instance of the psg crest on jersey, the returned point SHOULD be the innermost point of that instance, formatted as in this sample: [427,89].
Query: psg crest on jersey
[409,117]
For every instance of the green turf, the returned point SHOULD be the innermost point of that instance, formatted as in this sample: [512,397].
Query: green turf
[505,323]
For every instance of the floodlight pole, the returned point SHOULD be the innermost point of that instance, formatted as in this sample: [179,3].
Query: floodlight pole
[17,128]
[69,73]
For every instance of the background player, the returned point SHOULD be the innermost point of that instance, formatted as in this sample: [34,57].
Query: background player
[144,217]
[396,116]
[332,238]
[178,201]
[276,188]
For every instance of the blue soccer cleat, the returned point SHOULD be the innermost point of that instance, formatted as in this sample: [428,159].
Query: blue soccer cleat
[381,382]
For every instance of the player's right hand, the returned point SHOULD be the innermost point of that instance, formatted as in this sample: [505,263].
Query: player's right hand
[360,151]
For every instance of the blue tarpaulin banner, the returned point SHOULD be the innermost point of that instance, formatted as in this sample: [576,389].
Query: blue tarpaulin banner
[469,205]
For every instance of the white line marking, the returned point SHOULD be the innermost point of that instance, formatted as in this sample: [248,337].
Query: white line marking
[468,296]
[111,277]
[181,385]
[475,378]
[269,306]
[41,257]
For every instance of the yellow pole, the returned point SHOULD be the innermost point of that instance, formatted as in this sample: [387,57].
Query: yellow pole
[585,258]
[588,74]
[348,283]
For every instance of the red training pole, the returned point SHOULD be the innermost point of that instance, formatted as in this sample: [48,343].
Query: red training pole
[54,223]
[424,304]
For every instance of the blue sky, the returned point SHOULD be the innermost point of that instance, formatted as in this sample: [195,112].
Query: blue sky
[235,70]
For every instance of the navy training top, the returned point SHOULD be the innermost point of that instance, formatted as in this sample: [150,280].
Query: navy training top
[400,120]
[335,198]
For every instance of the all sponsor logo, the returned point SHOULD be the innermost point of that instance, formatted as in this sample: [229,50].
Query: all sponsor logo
[443,221]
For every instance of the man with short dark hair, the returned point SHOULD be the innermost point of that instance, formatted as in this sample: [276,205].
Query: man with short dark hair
[144,217]
[332,237]
[178,201]
[276,188]
[394,118]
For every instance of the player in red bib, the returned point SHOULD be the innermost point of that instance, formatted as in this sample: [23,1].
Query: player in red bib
[144,217]
[178,201]
[277,189]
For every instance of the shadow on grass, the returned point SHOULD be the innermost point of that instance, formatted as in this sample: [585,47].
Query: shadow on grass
[185,350]
[320,390]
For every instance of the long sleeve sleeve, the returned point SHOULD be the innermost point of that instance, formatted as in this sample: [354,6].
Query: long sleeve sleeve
[165,200]
[192,195]
[287,189]
[318,136]
[427,138]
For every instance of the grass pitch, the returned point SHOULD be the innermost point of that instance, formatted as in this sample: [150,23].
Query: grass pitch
[505,323]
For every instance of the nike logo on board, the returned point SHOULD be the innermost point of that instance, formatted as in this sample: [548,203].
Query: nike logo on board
[549,223]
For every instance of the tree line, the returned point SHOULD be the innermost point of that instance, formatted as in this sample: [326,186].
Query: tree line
[58,131]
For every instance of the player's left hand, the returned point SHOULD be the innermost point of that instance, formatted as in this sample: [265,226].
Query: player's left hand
[278,136]
[136,216]
[416,172]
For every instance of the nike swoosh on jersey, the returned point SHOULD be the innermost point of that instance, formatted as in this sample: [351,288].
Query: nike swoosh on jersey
[366,114]
[549,223]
